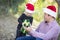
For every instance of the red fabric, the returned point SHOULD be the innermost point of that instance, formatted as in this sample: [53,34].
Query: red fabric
[30,6]
[53,8]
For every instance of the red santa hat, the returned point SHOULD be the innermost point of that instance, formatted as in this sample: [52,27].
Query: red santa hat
[51,10]
[29,8]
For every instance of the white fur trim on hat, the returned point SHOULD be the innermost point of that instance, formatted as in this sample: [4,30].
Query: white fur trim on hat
[29,11]
[50,12]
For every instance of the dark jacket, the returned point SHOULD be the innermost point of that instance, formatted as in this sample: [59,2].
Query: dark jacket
[20,20]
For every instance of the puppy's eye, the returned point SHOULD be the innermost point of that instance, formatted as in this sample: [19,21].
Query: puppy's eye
[24,24]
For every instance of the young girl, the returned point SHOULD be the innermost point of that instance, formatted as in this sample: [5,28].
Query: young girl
[26,16]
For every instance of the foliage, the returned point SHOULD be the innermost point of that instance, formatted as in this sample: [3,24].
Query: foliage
[16,7]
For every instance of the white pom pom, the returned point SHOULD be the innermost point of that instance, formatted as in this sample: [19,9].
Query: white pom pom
[32,1]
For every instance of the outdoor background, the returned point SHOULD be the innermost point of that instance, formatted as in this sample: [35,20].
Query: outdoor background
[10,10]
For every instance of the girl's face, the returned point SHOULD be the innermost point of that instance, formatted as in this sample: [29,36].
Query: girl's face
[29,14]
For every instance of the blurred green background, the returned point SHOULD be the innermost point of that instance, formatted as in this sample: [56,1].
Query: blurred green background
[16,7]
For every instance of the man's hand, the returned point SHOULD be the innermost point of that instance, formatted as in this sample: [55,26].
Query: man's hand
[28,29]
